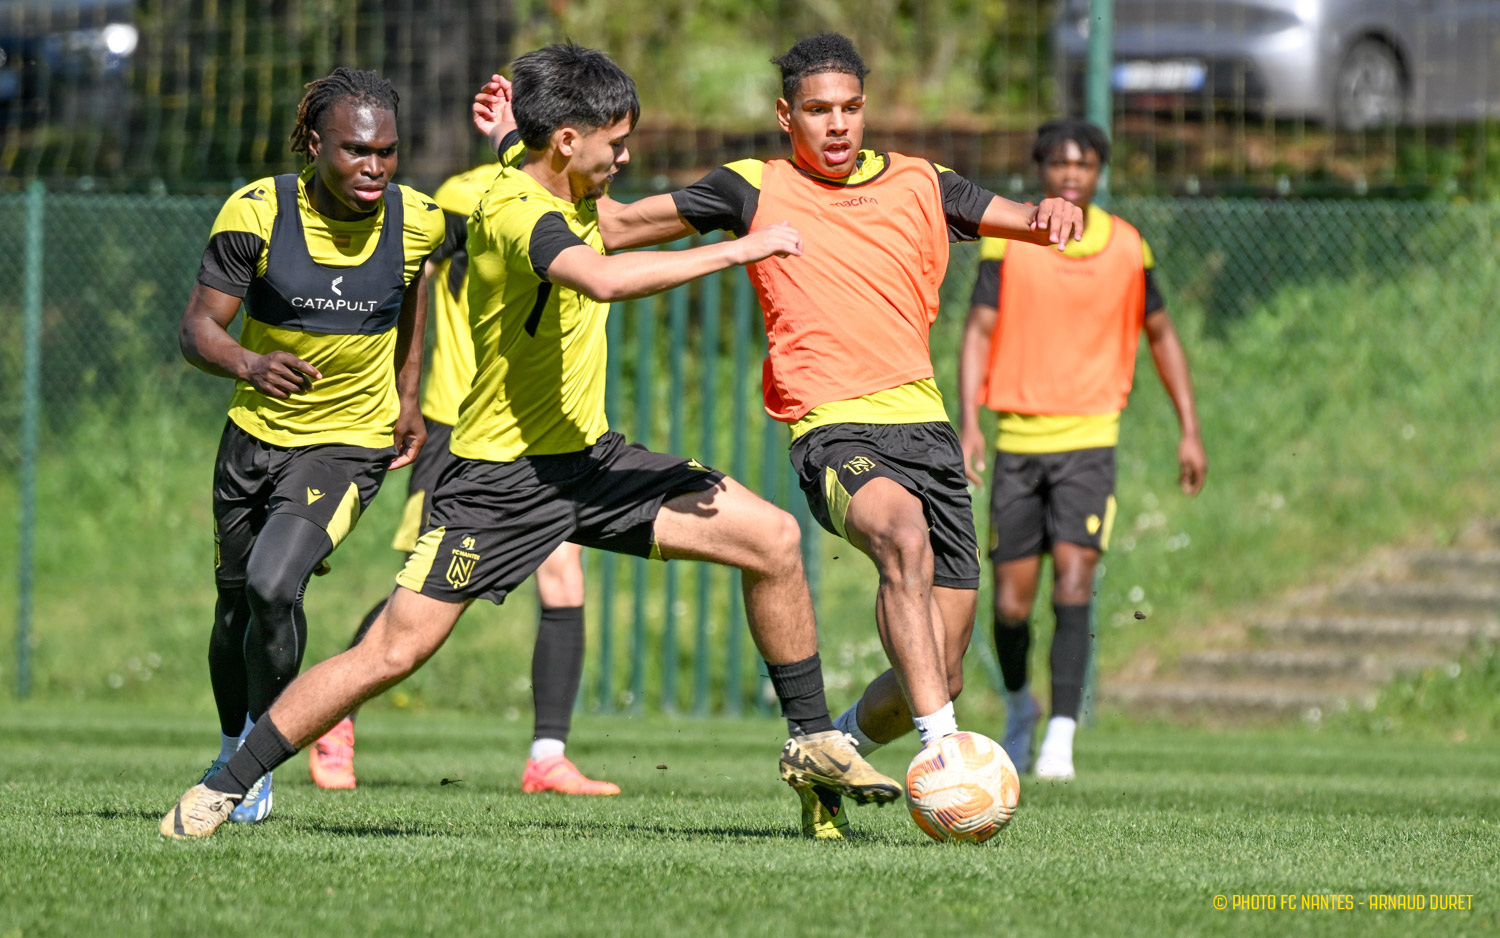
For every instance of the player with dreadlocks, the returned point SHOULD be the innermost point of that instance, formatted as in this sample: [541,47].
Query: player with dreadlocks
[328,264]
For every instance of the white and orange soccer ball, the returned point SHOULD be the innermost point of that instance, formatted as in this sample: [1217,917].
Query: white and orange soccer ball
[962,787]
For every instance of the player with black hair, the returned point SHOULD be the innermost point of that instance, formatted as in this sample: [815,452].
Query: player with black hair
[537,463]
[557,656]
[1050,343]
[850,369]
[327,264]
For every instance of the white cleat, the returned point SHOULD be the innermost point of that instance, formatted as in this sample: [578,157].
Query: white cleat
[1054,766]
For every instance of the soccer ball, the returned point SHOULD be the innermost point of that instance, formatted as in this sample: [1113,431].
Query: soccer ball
[962,787]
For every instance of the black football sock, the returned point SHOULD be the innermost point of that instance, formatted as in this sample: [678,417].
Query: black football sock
[264,749]
[799,687]
[1070,659]
[556,669]
[1012,646]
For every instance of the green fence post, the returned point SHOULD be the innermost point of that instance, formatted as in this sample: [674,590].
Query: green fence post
[740,344]
[708,411]
[613,351]
[645,372]
[1101,60]
[31,405]
[677,318]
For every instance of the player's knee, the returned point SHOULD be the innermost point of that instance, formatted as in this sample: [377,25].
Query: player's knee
[558,589]
[778,541]
[903,552]
[271,597]
[1011,608]
[1074,588]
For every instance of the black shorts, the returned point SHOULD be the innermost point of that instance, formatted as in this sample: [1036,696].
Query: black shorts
[1039,499]
[494,523]
[835,461]
[328,484]
[432,462]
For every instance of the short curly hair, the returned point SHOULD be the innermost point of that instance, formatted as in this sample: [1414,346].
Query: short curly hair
[815,55]
[1055,133]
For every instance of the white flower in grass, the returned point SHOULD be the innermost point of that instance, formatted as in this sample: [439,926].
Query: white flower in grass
[1136,594]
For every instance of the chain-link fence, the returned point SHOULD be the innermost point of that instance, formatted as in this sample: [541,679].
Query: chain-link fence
[1328,96]
[1293,312]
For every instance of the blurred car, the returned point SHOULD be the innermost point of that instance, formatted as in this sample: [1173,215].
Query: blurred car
[63,57]
[1357,63]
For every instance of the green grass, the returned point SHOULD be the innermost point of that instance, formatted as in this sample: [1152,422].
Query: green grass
[702,842]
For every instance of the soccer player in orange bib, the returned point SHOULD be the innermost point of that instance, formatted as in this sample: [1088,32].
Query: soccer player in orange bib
[850,370]
[1050,343]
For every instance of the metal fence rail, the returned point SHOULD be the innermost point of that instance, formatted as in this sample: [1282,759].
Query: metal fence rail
[93,286]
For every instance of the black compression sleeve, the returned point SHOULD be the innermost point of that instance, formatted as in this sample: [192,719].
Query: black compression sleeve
[455,236]
[721,201]
[964,203]
[1154,301]
[550,237]
[229,261]
[986,285]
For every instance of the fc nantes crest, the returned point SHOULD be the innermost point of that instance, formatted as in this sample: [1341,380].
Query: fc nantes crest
[461,566]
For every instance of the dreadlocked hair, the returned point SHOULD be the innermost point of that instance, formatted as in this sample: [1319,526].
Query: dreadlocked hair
[359,86]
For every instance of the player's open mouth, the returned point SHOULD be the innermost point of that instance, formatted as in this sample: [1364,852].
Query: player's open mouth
[838,152]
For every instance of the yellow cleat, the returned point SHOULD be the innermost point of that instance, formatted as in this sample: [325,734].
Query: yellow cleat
[830,759]
[823,816]
[199,812]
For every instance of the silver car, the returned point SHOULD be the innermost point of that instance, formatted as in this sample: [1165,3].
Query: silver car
[1359,63]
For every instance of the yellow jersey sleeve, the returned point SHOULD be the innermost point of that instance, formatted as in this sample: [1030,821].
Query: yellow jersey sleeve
[1148,260]
[992,249]
[539,347]
[424,228]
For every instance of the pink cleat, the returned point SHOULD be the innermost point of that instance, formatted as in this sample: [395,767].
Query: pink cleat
[331,759]
[560,775]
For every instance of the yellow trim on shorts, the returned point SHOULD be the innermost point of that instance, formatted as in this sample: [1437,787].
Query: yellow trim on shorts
[1109,523]
[344,517]
[837,498]
[410,527]
[413,576]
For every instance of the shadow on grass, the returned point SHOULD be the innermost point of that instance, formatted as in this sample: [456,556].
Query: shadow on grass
[572,826]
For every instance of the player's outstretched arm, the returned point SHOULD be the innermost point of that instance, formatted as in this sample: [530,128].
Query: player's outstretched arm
[1054,221]
[973,359]
[204,338]
[643,273]
[1172,367]
[411,326]
[642,223]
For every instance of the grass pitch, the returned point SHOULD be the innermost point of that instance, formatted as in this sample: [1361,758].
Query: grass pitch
[703,842]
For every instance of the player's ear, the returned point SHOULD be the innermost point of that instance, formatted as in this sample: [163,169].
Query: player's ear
[784,114]
[314,143]
[565,139]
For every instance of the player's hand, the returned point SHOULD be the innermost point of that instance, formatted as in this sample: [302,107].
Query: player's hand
[973,443]
[1061,219]
[492,109]
[411,433]
[780,240]
[1193,461]
[281,374]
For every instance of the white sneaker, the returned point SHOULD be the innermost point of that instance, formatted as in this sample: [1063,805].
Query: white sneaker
[1054,766]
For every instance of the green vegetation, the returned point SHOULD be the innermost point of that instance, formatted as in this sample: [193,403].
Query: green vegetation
[1343,399]
[702,842]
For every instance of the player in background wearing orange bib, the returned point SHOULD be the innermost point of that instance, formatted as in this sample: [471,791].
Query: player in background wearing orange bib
[1050,343]
[557,658]
[850,370]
